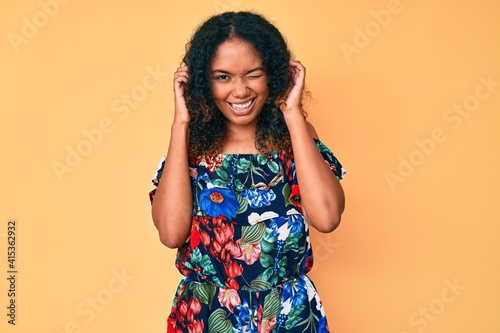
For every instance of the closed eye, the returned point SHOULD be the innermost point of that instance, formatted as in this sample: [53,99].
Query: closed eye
[256,76]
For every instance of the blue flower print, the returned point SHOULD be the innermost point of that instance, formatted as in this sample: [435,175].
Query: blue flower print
[218,201]
[296,291]
[245,316]
[274,226]
[323,328]
[296,224]
[259,198]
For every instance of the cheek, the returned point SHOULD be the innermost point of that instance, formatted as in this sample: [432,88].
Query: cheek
[220,91]
[264,92]
[261,89]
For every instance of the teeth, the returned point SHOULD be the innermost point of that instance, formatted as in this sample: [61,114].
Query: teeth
[241,106]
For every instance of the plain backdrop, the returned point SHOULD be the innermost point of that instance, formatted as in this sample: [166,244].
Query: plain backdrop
[406,93]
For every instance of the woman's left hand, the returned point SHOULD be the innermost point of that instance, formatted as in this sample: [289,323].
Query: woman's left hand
[292,99]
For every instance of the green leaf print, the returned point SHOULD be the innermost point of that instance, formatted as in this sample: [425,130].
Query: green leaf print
[286,193]
[243,165]
[252,234]
[282,267]
[266,246]
[238,186]
[200,291]
[217,322]
[296,311]
[271,304]
[217,282]
[204,292]
[273,166]
[219,182]
[262,159]
[243,203]
[196,255]
[208,269]
[321,146]
[205,261]
[291,243]
[265,259]
[225,162]
[222,173]
[265,275]
[259,285]
[294,317]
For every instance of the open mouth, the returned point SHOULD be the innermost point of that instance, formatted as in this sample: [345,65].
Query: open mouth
[241,107]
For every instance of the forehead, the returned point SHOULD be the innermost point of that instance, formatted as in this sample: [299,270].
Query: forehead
[236,55]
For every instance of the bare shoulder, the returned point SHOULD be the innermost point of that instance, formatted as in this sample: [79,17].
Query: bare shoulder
[312,130]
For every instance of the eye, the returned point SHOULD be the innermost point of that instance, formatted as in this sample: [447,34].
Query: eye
[221,78]
[255,76]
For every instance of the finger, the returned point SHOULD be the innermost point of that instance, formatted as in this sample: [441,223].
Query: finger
[181,72]
[297,65]
[180,75]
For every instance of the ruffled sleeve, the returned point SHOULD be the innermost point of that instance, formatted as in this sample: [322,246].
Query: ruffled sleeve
[330,158]
[156,178]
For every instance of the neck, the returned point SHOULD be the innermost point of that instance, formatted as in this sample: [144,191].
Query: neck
[240,139]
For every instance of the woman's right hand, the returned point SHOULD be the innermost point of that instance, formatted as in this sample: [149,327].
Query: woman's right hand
[181,110]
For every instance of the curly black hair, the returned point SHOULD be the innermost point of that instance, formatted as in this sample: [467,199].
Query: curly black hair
[208,129]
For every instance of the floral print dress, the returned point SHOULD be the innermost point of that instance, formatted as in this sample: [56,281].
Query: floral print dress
[246,259]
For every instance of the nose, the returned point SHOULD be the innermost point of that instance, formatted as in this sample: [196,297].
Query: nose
[240,88]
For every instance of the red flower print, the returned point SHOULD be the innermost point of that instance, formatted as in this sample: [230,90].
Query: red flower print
[228,298]
[286,158]
[194,240]
[183,256]
[250,253]
[182,316]
[309,261]
[295,197]
[221,246]
[265,325]
[211,162]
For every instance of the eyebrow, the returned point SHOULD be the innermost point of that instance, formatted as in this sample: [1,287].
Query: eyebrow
[249,72]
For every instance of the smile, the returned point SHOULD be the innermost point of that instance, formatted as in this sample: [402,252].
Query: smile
[243,106]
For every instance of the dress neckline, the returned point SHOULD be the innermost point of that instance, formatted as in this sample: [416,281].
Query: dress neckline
[240,154]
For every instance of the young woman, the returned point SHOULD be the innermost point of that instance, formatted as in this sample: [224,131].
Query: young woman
[227,196]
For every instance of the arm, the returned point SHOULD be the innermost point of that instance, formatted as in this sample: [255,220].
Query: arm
[322,197]
[173,203]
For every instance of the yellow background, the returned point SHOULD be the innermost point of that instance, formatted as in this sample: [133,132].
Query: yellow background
[421,215]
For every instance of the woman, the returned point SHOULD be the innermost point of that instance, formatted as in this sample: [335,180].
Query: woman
[229,198]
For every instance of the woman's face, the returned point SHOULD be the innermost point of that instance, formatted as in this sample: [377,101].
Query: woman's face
[239,82]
